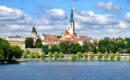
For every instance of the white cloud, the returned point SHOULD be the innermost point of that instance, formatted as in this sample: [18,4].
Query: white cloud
[127,17]
[108,7]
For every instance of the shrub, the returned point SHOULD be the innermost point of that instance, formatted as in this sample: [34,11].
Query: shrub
[129,57]
[25,54]
[73,57]
[91,56]
[118,56]
[99,56]
[43,56]
[79,55]
[36,54]
[111,56]
[105,56]
[85,56]
[32,55]
[50,55]
[55,55]
[61,55]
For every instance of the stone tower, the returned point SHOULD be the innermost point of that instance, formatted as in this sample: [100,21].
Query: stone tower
[34,33]
[71,28]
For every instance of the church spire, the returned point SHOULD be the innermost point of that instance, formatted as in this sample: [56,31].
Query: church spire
[72,19]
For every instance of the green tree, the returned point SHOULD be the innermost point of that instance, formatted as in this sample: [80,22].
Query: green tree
[118,56]
[111,56]
[105,56]
[61,55]
[50,55]
[36,54]
[73,57]
[38,43]
[25,54]
[99,56]
[54,48]
[55,55]
[74,48]
[45,49]
[85,56]
[91,56]
[32,55]
[43,56]
[29,42]
[79,55]
[14,53]
[4,49]
[129,57]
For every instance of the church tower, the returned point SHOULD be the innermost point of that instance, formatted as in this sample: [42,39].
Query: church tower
[71,28]
[34,33]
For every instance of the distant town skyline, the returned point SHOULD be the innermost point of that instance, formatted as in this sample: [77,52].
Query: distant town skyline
[95,18]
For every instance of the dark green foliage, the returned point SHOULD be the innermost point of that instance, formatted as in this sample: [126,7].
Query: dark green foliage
[38,43]
[54,48]
[45,49]
[29,42]
[9,53]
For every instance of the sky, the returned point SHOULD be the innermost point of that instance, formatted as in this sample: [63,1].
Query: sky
[93,18]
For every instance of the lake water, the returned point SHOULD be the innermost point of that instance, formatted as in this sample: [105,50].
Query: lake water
[66,70]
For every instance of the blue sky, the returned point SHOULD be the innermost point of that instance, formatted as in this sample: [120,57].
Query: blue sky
[94,18]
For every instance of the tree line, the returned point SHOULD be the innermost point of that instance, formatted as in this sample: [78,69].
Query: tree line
[8,53]
[105,45]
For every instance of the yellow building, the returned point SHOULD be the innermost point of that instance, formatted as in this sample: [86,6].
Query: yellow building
[16,40]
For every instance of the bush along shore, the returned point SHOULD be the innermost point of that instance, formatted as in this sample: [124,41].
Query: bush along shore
[90,56]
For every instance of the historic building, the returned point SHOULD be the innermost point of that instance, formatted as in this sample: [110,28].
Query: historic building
[34,33]
[70,32]
[16,40]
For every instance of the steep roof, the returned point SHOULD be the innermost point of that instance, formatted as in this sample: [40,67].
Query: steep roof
[34,30]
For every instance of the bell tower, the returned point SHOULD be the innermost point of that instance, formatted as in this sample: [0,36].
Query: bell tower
[34,33]
[71,28]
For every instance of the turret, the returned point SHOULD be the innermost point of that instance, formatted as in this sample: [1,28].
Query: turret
[34,33]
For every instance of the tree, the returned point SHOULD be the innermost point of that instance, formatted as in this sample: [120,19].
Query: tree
[64,47]
[50,55]
[25,54]
[99,56]
[61,55]
[32,55]
[4,49]
[14,53]
[74,48]
[85,56]
[54,48]
[38,43]
[45,49]
[105,56]
[29,42]
[91,56]
[118,56]
[111,56]
[73,57]
[36,55]
[43,56]
[79,55]
[55,55]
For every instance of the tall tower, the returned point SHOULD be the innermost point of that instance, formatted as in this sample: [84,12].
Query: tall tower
[71,28]
[34,33]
